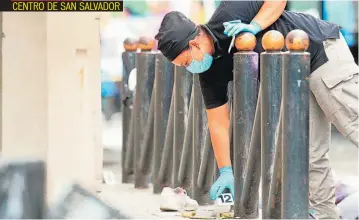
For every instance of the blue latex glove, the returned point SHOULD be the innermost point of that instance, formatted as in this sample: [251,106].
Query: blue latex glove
[235,27]
[224,181]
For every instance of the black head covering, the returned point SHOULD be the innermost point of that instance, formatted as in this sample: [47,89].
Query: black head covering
[175,33]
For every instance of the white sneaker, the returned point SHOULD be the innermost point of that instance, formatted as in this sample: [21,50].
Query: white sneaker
[177,200]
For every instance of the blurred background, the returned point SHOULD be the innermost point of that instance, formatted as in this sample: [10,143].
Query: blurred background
[143,18]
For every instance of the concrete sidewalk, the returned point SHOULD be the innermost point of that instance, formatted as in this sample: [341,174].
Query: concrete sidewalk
[139,203]
[135,203]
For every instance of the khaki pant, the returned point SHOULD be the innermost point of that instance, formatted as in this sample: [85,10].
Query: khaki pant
[334,99]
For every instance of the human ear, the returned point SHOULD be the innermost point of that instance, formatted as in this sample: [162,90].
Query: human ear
[193,43]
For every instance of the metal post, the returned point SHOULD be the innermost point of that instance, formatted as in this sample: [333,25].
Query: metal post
[128,167]
[230,109]
[182,95]
[211,167]
[145,64]
[245,91]
[165,171]
[164,75]
[185,167]
[271,75]
[199,131]
[249,198]
[295,139]
[128,59]
[275,198]
[231,120]
[206,168]
[146,150]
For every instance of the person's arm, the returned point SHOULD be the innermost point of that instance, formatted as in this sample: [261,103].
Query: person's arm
[215,99]
[264,14]
[269,13]
[218,122]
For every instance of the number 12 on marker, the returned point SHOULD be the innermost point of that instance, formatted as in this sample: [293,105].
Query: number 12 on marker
[226,198]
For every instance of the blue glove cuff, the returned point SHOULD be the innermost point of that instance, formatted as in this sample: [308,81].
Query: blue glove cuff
[227,169]
[234,22]
[257,27]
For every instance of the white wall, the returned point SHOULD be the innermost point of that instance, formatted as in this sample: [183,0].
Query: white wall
[24,81]
[51,94]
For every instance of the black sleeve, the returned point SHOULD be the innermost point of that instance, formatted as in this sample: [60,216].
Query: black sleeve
[214,94]
[244,10]
[256,6]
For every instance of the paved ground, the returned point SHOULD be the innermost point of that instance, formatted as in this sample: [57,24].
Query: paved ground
[135,203]
[143,204]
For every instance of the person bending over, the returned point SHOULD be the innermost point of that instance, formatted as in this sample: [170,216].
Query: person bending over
[333,80]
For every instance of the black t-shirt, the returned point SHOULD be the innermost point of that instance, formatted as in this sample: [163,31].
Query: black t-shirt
[215,80]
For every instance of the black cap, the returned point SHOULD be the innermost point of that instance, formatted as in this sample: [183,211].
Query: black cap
[175,33]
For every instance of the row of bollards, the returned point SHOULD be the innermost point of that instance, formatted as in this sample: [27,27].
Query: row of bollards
[167,141]
[271,133]
[162,144]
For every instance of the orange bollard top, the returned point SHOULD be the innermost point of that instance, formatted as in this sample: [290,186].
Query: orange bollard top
[130,44]
[146,43]
[297,40]
[245,42]
[273,41]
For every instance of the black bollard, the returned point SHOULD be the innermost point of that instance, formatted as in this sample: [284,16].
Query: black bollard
[145,65]
[204,161]
[230,108]
[245,91]
[249,198]
[164,75]
[181,95]
[206,168]
[295,139]
[275,198]
[22,189]
[185,167]
[211,168]
[128,59]
[165,171]
[199,131]
[129,164]
[271,76]
[145,162]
